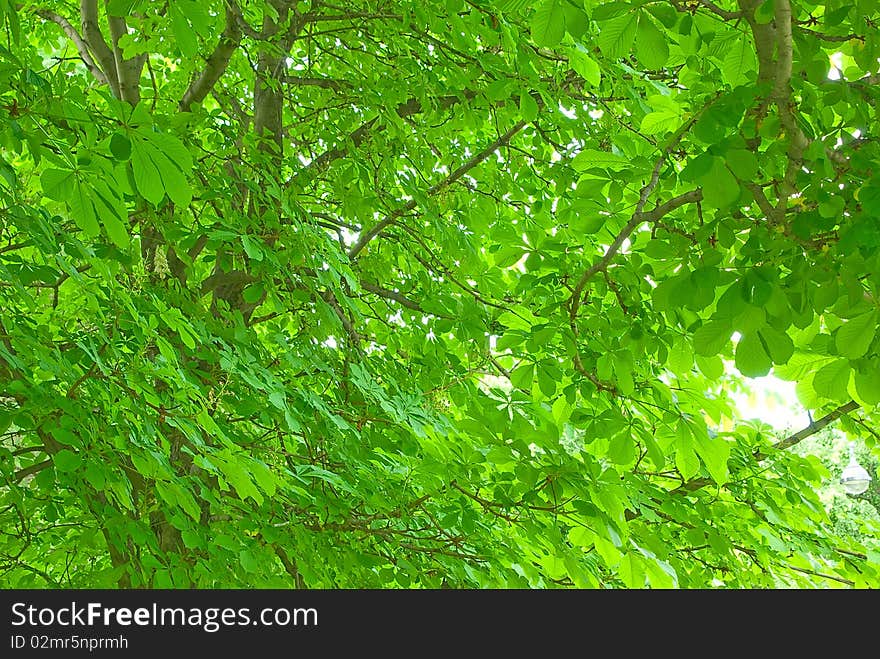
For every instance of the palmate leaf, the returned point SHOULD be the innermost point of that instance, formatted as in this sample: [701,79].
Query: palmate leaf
[146,174]
[160,164]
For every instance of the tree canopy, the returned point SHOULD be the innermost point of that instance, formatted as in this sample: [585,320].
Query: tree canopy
[403,293]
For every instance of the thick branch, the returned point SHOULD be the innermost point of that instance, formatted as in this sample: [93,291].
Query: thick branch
[798,142]
[128,71]
[216,63]
[638,218]
[366,130]
[81,46]
[97,45]
[21,474]
[765,40]
[815,426]
[785,51]
[391,295]
[371,233]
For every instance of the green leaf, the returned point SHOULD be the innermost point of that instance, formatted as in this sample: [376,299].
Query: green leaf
[176,495]
[855,336]
[56,183]
[651,47]
[586,223]
[777,344]
[238,476]
[267,481]
[146,174]
[123,8]
[522,376]
[548,23]
[66,460]
[253,293]
[714,453]
[868,385]
[590,158]
[712,367]
[720,187]
[184,35]
[744,164]
[173,180]
[112,213]
[616,36]
[739,61]
[546,382]
[751,358]
[711,338]
[622,450]
[686,461]
[623,374]
[585,65]
[576,20]
[528,108]
[82,210]
[831,381]
[681,357]
[120,147]
[654,123]
[765,11]
[172,148]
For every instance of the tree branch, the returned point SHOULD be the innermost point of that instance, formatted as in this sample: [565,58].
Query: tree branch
[832,38]
[21,474]
[364,131]
[692,5]
[371,233]
[128,71]
[820,574]
[638,218]
[798,142]
[323,83]
[391,295]
[217,61]
[88,10]
[698,483]
[814,427]
[723,13]
[80,44]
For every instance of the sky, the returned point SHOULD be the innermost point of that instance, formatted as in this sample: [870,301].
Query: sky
[774,402]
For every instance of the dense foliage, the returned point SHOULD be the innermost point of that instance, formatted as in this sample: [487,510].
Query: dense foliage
[400,293]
